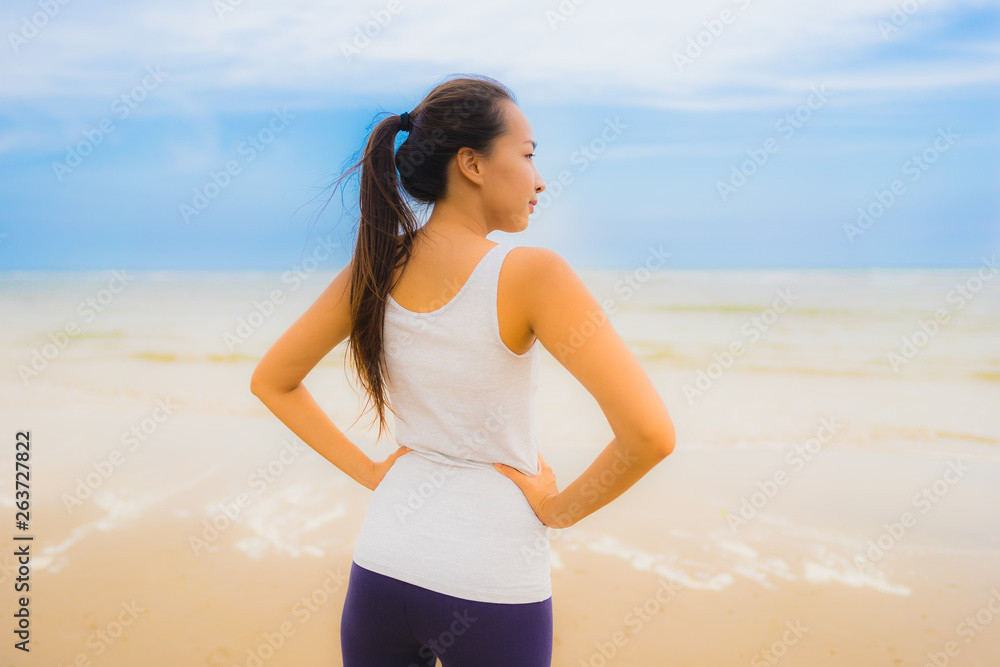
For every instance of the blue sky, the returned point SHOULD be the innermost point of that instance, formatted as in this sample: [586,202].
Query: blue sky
[736,134]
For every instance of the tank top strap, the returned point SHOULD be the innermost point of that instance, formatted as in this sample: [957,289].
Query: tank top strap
[489,276]
[478,293]
[480,290]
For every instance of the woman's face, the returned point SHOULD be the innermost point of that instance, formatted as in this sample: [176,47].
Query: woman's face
[510,181]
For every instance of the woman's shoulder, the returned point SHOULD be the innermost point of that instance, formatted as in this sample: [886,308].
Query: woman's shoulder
[534,266]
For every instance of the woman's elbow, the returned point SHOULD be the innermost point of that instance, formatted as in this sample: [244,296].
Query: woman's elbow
[669,443]
[258,383]
[664,439]
[261,386]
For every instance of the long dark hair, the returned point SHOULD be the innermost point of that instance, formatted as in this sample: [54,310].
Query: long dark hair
[458,113]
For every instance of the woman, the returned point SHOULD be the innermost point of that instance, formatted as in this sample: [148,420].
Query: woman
[453,557]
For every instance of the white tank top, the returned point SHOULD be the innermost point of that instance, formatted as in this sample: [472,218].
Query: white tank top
[443,517]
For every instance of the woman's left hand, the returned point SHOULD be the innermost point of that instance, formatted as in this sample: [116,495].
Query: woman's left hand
[380,468]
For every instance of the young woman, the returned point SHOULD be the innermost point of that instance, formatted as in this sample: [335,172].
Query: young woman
[443,327]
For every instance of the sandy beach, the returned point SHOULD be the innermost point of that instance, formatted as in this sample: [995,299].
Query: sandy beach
[819,509]
[657,580]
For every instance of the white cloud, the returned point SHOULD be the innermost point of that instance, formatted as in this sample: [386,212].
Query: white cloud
[621,52]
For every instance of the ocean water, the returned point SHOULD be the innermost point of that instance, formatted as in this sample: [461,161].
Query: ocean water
[907,360]
[156,365]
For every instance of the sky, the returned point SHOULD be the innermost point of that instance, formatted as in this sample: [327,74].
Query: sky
[731,134]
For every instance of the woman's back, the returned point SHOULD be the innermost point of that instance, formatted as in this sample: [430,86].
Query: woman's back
[443,517]
[437,270]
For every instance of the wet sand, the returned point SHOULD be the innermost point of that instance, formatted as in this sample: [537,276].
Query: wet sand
[658,578]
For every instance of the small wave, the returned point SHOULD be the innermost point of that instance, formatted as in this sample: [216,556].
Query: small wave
[281,520]
[803,370]
[162,357]
[171,357]
[118,333]
[968,436]
[735,557]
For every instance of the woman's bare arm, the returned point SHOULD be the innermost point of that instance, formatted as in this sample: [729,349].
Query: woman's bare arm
[277,379]
[570,323]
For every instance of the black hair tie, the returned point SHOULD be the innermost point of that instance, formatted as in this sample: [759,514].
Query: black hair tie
[405,122]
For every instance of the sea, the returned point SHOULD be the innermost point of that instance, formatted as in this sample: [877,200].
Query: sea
[133,388]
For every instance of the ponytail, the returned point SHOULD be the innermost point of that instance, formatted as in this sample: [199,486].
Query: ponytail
[461,112]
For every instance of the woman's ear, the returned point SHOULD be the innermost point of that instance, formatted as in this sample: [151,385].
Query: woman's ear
[469,164]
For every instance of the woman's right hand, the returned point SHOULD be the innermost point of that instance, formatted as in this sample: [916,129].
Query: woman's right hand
[540,490]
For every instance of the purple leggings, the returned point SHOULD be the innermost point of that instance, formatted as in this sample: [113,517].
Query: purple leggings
[391,623]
